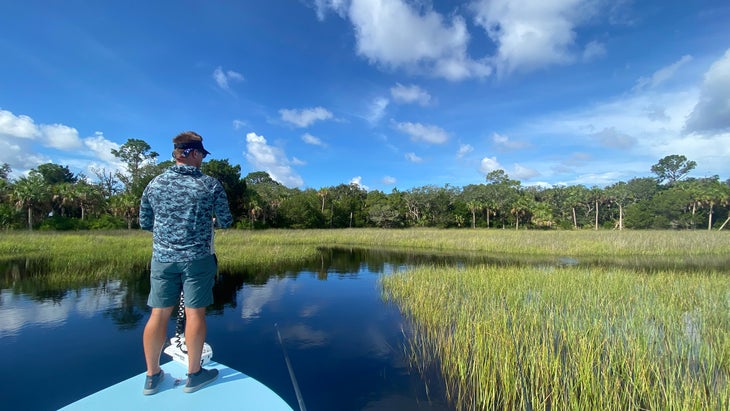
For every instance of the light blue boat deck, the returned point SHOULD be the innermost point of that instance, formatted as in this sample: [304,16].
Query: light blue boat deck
[233,390]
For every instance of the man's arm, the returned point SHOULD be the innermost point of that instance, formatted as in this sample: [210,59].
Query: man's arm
[223,218]
[146,213]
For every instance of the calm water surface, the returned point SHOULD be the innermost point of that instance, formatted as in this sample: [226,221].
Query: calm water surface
[345,344]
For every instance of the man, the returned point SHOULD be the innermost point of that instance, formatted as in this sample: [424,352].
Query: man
[180,207]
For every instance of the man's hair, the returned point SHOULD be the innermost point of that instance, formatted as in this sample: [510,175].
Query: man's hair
[185,137]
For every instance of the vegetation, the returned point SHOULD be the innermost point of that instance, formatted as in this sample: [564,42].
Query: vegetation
[51,197]
[504,336]
[571,338]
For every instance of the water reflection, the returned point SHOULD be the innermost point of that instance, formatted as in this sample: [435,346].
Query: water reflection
[345,343]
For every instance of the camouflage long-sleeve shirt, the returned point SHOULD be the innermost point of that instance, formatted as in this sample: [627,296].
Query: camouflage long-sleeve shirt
[178,206]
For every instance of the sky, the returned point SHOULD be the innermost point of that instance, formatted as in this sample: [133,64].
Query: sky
[385,94]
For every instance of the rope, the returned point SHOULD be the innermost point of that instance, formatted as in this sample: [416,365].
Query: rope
[180,324]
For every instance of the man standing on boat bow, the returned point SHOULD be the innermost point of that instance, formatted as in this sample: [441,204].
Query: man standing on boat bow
[180,207]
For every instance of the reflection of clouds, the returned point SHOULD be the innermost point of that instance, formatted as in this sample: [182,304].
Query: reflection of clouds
[256,297]
[309,311]
[377,342]
[304,336]
[18,311]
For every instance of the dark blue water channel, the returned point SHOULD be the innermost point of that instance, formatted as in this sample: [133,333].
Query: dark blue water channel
[346,345]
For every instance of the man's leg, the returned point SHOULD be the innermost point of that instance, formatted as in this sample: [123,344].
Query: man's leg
[155,334]
[195,330]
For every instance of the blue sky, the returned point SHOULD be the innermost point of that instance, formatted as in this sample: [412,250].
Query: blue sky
[382,93]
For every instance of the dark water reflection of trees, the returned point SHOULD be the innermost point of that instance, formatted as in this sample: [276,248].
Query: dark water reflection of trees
[30,276]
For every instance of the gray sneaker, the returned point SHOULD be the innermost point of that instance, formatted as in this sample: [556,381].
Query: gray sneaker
[152,383]
[200,379]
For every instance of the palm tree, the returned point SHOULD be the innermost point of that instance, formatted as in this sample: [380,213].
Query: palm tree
[125,205]
[713,193]
[29,193]
[323,194]
[89,196]
[473,207]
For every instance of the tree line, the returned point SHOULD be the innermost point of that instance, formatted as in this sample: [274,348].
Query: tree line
[52,197]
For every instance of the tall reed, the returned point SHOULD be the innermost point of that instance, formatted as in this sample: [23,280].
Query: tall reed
[570,338]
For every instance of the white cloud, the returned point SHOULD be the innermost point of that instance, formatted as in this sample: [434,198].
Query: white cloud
[410,94]
[464,149]
[23,141]
[377,110]
[264,157]
[394,34]
[531,34]
[322,6]
[100,148]
[521,172]
[712,112]
[17,126]
[60,137]
[310,139]
[413,158]
[489,164]
[504,142]
[358,182]
[305,117]
[662,75]
[223,78]
[423,132]
[388,180]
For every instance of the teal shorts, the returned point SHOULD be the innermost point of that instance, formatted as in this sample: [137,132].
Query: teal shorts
[195,278]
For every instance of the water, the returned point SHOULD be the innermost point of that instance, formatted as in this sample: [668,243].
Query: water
[346,345]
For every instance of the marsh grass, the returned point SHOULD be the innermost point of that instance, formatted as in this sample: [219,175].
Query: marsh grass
[543,337]
[570,338]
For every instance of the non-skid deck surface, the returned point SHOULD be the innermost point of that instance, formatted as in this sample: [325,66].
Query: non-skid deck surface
[232,390]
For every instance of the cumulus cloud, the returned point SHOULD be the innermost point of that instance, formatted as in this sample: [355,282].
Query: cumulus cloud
[271,159]
[395,34]
[423,132]
[60,137]
[410,94]
[358,182]
[305,117]
[527,34]
[530,34]
[712,112]
[489,164]
[24,145]
[224,77]
[17,126]
[388,180]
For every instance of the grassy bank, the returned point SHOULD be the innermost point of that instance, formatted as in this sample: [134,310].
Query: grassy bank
[95,255]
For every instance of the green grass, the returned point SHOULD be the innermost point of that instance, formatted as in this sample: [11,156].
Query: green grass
[570,338]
